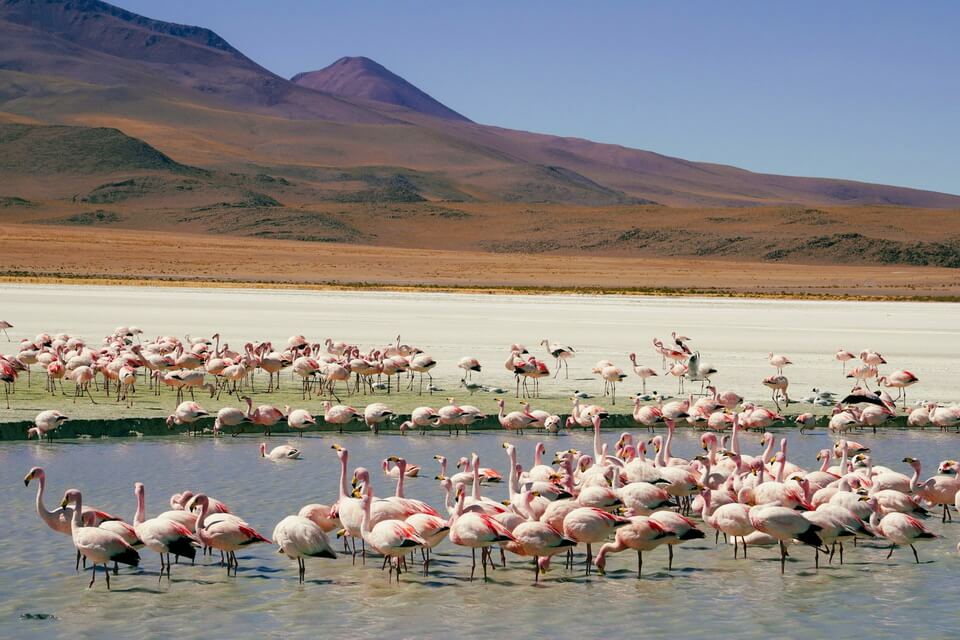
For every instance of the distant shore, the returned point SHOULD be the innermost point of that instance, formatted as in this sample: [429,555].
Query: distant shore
[172,282]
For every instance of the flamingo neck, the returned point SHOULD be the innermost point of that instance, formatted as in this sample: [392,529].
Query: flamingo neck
[77,520]
[781,469]
[402,471]
[597,448]
[140,515]
[668,441]
[825,464]
[476,478]
[768,449]
[914,480]
[734,435]
[537,457]
[343,477]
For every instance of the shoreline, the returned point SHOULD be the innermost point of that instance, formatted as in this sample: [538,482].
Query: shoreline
[241,283]
[84,429]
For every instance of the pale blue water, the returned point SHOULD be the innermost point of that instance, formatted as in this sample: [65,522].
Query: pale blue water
[707,595]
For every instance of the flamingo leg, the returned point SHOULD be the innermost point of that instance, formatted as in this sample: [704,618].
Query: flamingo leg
[639,563]
[783,557]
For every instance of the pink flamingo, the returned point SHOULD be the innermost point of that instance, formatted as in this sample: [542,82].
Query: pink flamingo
[642,372]
[641,534]
[515,420]
[338,414]
[900,380]
[299,419]
[97,545]
[162,535]
[561,354]
[469,365]
[265,416]
[225,534]
[46,423]
[844,357]
[476,531]
[779,361]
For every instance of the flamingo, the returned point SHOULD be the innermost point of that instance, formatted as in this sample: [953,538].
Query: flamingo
[476,531]
[843,356]
[640,534]
[46,423]
[162,535]
[591,525]
[779,361]
[778,384]
[642,372]
[229,417]
[4,325]
[226,534]
[391,538]
[900,380]
[282,452]
[99,546]
[899,528]
[469,365]
[785,525]
[265,415]
[338,414]
[60,519]
[186,413]
[562,354]
[515,420]
[298,537]
[299,419]
[375,414]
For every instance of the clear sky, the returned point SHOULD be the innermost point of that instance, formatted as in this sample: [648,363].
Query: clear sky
[865,89]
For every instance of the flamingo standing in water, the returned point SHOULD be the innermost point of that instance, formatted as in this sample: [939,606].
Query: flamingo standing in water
[391,538]
[298,537]
[97,545]
[266,415]
[515,420]
[163,535]
[225,534]
[46,423]
[476,531]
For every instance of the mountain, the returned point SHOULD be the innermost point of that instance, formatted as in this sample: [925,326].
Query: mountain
[359,77]
[352,132]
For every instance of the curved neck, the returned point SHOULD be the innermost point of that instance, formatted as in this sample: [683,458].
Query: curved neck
[77,520]
[537,457]
[658,461]
[768,449]
[825,464]
[41,507]
[914,481]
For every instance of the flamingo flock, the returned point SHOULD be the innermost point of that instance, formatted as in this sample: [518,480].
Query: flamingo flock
[584,507]
[125,362]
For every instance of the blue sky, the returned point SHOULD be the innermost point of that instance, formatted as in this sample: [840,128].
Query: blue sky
[867,90]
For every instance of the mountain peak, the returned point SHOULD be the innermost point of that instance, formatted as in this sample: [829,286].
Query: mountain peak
[361,77]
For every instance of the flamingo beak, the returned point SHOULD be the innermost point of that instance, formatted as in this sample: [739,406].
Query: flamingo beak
[64,503]
[356,493]
[393,459]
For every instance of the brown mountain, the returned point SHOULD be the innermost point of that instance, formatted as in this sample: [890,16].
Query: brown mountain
[359,77]
[198,100]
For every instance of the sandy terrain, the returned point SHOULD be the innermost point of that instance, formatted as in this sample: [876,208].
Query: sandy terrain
[84,253]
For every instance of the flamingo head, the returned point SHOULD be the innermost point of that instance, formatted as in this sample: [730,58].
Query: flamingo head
[71,496]
[36,472]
